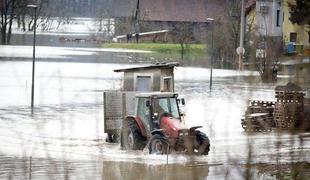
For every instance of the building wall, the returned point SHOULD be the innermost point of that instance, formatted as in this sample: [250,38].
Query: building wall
[289,27]
[269,17]
[251,21]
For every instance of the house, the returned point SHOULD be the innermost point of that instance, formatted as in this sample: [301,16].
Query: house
[265,17]
[270,18]
[173,15]
[293,33]
[264,26]
[155,77]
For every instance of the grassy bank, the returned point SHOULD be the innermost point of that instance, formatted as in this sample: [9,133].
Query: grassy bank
[192,51]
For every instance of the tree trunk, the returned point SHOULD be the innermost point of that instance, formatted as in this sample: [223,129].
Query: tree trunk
[18,21]
[182,50]
[2,26]
[10,23]
[3,30]
[30,26]
[23,22]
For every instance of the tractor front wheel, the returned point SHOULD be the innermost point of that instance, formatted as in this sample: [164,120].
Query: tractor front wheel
[158,144]
[202,146]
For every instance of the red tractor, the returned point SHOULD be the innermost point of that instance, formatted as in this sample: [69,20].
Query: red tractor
[158,124]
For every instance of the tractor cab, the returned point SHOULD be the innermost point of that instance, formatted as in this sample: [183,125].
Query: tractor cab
[152,107]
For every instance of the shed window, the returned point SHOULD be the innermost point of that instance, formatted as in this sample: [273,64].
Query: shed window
[167,84]
[143,83]
[293,37]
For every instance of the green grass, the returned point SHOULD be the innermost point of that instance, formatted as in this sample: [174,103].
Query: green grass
[192,51]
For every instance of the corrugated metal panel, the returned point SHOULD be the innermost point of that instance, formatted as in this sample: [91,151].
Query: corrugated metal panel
[117,105]
[113,111]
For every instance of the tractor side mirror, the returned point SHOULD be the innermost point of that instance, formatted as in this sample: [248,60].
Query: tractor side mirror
[148,103]
[183,101]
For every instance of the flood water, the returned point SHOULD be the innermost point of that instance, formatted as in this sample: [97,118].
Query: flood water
[64,137]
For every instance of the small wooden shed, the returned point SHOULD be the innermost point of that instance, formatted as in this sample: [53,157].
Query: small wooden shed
[155,77]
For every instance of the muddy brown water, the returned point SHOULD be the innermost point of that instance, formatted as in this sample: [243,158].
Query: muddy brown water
[65,135]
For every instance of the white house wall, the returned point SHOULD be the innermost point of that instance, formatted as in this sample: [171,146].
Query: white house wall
[266,21]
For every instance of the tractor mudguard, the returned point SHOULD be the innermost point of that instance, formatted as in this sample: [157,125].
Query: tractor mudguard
[158,131]
[139,123]
[192,129]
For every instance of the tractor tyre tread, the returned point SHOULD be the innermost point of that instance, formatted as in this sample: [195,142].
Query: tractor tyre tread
[163,139]
[203,139]
[139,140]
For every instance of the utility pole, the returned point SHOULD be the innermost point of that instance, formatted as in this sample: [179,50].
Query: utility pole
[241,36]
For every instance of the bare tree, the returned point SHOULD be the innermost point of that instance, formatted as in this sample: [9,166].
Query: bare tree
[226,35]
[264,50]
[7,15]
[182,34]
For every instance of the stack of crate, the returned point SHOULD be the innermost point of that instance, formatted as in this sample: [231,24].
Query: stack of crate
[289,109]
[258,116]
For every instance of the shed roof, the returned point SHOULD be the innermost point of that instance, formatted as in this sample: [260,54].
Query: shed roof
[153,66]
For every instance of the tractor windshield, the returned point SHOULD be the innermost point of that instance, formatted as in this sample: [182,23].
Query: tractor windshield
[166,105]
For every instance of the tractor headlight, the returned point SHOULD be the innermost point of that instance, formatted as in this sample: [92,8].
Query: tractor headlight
[183,134]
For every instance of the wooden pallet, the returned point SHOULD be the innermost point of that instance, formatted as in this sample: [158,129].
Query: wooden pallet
[288,115]
[290,97]
[257,122]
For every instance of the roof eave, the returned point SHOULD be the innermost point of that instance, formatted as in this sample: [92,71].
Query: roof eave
[154,66]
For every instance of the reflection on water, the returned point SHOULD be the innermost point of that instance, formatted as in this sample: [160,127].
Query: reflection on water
[128,170]
[41,169]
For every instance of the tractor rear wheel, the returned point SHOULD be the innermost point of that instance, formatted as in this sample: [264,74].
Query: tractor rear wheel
[202,147]
[131,138]
[158,144]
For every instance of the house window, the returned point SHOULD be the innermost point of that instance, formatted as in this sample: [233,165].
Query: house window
[293,37]
[278,18]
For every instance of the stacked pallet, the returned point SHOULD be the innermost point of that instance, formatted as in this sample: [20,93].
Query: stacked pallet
[258,116]
[289,109]
[307,113]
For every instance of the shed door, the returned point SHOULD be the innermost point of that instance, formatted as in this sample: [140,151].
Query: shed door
[143,83]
